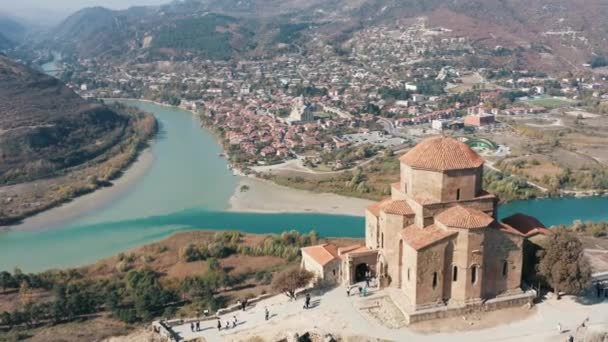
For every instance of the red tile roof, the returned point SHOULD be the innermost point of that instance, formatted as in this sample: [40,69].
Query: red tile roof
[344,251]
[374,208]
[442,154]
[398,207]
[419,238]
[322,254]
[526,225]
[464,217]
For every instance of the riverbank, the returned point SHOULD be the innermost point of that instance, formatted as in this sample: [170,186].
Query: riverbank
[264,196]
[81,206]
[261,196]
[29,199]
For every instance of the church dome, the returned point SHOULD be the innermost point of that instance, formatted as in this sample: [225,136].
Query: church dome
[442,154]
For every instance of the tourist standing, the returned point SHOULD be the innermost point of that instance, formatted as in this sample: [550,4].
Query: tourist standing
[192,326]
[266,313]
[348,291]
[219,325]
[559,328]
[307,301]
[198,326]
[234,320]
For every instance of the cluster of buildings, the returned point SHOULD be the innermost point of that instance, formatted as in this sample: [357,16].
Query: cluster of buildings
[278,106]
[436,243]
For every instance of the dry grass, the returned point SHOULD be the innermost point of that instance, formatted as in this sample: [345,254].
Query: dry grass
[92,330]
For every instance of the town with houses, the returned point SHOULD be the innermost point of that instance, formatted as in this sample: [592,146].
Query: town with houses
[395,84]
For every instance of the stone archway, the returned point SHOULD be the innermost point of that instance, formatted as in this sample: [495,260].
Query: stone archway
[360,272]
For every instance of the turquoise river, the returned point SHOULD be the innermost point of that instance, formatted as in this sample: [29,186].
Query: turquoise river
[187,186]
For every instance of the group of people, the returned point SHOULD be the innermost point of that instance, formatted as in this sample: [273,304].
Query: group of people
[195,326]
[219,323]
[362,291]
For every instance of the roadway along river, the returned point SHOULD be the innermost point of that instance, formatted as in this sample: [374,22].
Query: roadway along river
[187,186]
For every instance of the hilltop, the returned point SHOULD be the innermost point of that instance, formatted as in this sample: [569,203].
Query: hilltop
[57,143]
[544,35]
[45,127]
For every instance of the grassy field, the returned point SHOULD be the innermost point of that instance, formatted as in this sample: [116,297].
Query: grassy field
[549,103]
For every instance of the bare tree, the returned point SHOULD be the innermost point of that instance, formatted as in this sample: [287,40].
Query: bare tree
[291,280]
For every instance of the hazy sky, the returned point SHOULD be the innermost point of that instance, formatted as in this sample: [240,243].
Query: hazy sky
[53,10]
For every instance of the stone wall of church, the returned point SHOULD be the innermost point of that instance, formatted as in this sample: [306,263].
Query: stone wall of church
[372,238]
[503,262]
[439,186]
[432,274]
[461,184]
[409,273]
[391,226]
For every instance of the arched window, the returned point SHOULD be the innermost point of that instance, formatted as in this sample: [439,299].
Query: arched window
[505,268]
[434,279]
[455,273]
[473,274]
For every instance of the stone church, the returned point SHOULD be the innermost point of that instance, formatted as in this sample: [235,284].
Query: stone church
[436,243]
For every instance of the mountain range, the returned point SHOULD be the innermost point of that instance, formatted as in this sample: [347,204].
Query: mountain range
[571,31]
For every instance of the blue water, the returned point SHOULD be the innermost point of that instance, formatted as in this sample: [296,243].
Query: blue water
[188,187]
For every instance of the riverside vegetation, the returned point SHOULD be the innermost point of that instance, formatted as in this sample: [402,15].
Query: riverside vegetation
[165,279]
[61,186]
[370,181]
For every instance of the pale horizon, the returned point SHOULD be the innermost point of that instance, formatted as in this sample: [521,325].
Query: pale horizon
[48,12]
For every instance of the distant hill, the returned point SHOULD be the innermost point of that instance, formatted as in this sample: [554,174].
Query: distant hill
[46,128]
[11,29]
[5,43]
[570,30]
[169,30]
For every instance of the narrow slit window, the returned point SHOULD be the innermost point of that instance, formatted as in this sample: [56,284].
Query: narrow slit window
[473,274]
[457,194]
[434,279]
[455,273]
[505,268]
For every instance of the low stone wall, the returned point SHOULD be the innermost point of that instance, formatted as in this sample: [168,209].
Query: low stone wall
[236,307]
[168,324]
[451,311]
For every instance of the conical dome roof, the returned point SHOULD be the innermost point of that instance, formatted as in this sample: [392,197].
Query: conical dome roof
[442,154]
